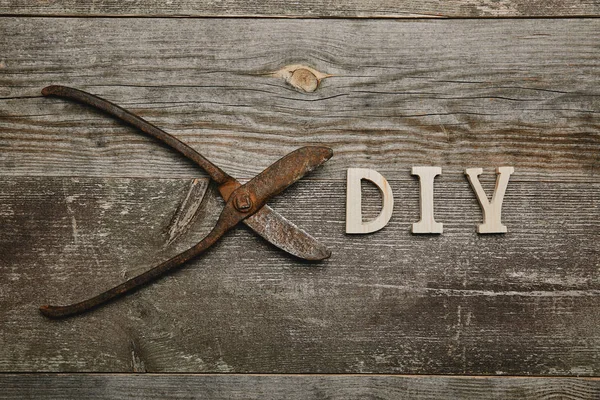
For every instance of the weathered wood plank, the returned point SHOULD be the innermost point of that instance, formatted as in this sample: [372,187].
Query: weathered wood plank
[311,8]
[457,93]
[521,303]
[292,387]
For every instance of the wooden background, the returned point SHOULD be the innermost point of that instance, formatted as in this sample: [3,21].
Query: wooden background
[87,202]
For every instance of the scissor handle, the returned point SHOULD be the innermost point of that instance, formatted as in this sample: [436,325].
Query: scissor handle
[124,115]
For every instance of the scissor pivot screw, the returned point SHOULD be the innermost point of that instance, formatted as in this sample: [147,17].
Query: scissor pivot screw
[242,203]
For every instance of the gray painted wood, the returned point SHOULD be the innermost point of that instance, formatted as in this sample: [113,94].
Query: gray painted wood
[270,387]
[522,303]
[309,9]
[456,93]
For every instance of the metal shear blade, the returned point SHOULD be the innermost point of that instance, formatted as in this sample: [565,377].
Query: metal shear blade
[243,202]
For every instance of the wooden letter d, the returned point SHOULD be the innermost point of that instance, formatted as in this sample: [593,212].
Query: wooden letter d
[354,222]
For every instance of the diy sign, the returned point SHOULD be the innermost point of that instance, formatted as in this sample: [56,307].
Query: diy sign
[492,210]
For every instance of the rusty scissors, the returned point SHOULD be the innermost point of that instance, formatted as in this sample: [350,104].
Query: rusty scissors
[243,203]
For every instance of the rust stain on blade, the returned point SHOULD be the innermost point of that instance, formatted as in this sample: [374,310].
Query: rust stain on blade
[285,235]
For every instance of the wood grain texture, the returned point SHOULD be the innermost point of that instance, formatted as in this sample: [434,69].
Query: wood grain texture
[454,93]
[307,9]
[271,387]
[459,303]
[86,202]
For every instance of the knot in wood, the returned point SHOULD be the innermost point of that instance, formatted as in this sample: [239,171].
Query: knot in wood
[304,79]
[301,77]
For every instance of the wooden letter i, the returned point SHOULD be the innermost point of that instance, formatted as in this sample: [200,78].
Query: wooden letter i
[427,223]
